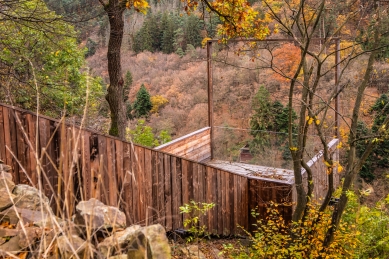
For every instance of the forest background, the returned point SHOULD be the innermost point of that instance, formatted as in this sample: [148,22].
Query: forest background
[163,58]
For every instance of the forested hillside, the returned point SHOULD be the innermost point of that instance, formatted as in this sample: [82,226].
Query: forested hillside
[278,97]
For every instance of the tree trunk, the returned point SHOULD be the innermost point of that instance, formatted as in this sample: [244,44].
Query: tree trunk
[114,10]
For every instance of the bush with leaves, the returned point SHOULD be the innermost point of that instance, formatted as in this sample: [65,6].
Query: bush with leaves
[158,101]
[379,158]
[143,135]
[276,239]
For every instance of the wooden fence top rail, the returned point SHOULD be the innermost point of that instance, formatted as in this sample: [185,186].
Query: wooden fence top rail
[256,172]
[182,138]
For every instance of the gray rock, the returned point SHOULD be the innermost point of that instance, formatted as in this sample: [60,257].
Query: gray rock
[150,240]
[11,247]
[28,236]
[6,180]
[8,232]
[79,245]
[6,199]
[117,242]
[9,215]
[5,168]
[94,214]
[27,197]
[38,218]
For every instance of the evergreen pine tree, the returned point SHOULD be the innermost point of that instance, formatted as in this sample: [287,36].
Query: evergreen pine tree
[167,29]
[142,105]
[193,26]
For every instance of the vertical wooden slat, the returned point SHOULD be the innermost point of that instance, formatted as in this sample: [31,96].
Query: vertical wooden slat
[142,189]
[13,145]
[7,140]
[86,165]
[174,192]
[245,197]
[119,154]
[236,189]
[220,203]
[226,203]
[44,136]
[185,186]
[127,184]
[103,177]
[168,192]
[177,192]
[210,198]
[111,171]
[148,187]
[22,146]
[135,185]
[161,189]
[94,166]
[33,149]
[154,188]
[231,204]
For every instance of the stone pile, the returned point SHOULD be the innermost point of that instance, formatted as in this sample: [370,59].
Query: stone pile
[29,229]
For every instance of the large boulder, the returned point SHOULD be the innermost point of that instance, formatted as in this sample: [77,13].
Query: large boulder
[118,242]
[38,218]
[150,241]
[96,215]
[28,197]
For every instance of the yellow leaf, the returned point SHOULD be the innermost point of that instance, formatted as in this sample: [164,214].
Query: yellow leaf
[317,122]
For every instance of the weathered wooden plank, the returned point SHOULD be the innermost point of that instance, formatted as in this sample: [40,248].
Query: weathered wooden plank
[112,189]
[69,196]
[183,141]
[32,148]
[135,185]
[7,140]
[94,166]
[22,147]
[161,190]
[226,202]
[190,146]
[177,192]
[185,186]
[220,202]
[168,192]
[148,187]
[103,175]
[2,137]
[119,170]
[210,197]
[235,204]
[154,189]
[44,136]
[13,146]
[86,165]
[245,197]
[140,151]
[127,184]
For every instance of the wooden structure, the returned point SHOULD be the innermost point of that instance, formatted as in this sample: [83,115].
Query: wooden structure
[148,185]
[195,146]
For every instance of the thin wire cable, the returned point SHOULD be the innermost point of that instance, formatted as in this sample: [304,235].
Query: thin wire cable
[265,131]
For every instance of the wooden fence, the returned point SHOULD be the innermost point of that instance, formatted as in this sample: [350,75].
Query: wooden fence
[148,185]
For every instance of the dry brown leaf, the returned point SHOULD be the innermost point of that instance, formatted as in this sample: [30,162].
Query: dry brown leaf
[23,255]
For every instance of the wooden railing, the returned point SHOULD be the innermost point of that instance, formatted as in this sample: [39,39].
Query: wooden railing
[148,185]
[195,146]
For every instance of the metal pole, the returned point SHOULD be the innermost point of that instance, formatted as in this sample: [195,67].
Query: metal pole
[337,74]
[210,93]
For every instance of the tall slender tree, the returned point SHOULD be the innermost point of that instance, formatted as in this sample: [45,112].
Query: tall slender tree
[114,9]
